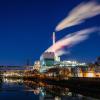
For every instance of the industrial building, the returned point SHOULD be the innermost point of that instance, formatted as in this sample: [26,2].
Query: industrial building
[47,59]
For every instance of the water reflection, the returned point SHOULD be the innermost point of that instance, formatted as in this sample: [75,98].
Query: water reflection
[12,81]
[52,92]
[43,90]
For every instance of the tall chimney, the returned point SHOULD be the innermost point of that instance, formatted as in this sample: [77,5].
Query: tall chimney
[54,38]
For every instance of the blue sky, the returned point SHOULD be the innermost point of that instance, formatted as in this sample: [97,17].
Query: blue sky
[26,28]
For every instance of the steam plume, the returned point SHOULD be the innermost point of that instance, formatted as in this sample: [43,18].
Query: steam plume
[70,40]
[79,14]
[61,52]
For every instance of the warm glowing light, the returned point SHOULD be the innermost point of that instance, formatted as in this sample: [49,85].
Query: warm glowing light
[80,74]
[90,74]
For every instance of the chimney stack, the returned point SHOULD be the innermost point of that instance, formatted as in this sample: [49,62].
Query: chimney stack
[54,38]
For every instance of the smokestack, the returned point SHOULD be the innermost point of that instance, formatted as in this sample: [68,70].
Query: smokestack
[54,38]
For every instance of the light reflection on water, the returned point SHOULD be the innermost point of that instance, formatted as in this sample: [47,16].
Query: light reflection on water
[37,90]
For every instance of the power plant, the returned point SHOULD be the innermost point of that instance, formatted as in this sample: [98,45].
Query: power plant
[49,58]
[48,55]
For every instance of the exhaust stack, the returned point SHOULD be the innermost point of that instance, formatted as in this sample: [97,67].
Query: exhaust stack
[54,38]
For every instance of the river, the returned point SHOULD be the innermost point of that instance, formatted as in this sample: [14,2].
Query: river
[18,89]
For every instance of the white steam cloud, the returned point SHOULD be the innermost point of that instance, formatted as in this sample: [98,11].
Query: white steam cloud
[70,40]
[61,52]
[79,14]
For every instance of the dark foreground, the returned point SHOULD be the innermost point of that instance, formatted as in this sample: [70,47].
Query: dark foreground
[33,89]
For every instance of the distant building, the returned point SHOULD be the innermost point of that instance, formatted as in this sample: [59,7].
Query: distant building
[71,64]
[37,65]
[4,68]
